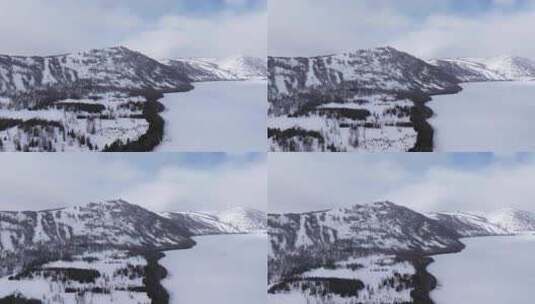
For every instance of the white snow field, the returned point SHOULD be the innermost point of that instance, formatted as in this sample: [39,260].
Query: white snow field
[114,281]
[487,116]
[217,116]
[223,269]
[373,271]
[491,270]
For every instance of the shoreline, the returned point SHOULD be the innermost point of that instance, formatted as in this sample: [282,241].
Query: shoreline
[420,115]
[151,112]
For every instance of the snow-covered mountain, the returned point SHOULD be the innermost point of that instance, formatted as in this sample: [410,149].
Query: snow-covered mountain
[200,223]
[245,219]
[368,71]
[513,220]
[246,67]
[499,68]
[211,69]
[113,224]
[235,220]
[112,68]
[381,226]
[468,224]
[500,222]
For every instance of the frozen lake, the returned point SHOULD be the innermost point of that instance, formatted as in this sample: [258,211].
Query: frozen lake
[217,116]
[487,116]
[490,270]
[225,269]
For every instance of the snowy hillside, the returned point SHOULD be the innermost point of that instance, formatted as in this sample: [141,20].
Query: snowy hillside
[110,276]
[235,220]
[199,223]
[367,100]
[97,100]
[501,222]
[211,69]
[245,219]
[363,254]
[378,226]
[363,72]
[245,67]
[113,68]
[108,223]
[488,69]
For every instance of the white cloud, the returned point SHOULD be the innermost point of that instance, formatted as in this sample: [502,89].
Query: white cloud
[35,27]
[422,27]
[43,181]
[299,182]
[180,189]
[492,34]
[220,35]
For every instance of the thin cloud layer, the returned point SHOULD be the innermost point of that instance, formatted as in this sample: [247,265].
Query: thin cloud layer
[167,29]
[300,182]
[44,181]
[429,29]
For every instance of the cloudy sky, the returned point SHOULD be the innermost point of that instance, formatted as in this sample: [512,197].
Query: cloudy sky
[158,181]
[426,28]
[159,28]
[424,182]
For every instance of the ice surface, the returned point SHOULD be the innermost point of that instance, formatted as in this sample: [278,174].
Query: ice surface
[490,116]
[217,116]
[223,269]
[491,270]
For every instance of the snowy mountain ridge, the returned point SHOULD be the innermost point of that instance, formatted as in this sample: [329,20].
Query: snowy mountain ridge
[212,69]
[506,221]
[234,220]
[115,68]
[382,226]
[361,72]
[115,223]
[500,68]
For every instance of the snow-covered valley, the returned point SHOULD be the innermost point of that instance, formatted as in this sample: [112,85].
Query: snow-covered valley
[485,116]
[226,269]
[216,116]
[500,270]
[380,252]
[110,276]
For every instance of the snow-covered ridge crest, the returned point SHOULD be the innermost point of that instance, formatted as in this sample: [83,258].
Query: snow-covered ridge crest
[506,221]
[234,220]
[115,68]
[114,224]
[375,226]
[213,69]
[499,68]
[383,69]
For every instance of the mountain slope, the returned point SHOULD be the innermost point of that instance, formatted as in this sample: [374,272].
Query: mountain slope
[198,223]
[468,225]
[209,69]
[235,220]
[381,226]
[488,69]
[513,220]
[245,219]
[115,224]
[362,72]
[500,222]
[112,68]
